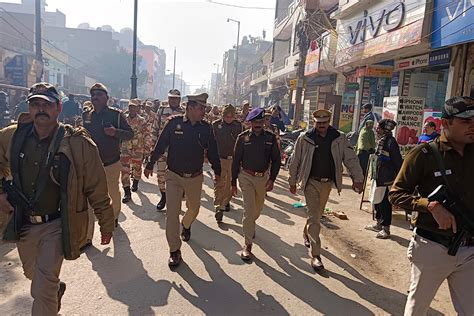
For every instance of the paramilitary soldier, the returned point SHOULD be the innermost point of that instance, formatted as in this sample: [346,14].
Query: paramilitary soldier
[164,112]
[108,128]
[134,150]
[56,172]
[255,150]
[186,137]
[316,167]
[448,160]
[226,131]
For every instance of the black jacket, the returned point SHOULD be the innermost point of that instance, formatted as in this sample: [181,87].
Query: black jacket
[389,162]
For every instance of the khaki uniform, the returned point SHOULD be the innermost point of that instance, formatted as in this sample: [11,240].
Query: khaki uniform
[226,135]
[134,150]
[164,112]
[253,156]
[428,254]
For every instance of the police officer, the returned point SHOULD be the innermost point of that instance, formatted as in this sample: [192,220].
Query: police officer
[5,118]
[134,150]
[164,112]
[226,131]
[186,137]
[255,150]
[108,128]
[316,167]
[448,160]
[59,172]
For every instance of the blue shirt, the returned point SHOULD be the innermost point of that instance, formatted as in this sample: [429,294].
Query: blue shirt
[425,138]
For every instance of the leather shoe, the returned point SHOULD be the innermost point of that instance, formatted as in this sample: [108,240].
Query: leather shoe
[227,207]
[175,258]
[317,264]
[246,253]
[61,290]
[219,216]
[306,241]
[185,233]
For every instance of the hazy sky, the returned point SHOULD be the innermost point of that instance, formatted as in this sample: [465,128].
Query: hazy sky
[198,29]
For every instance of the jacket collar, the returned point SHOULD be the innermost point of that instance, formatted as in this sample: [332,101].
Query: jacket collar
[444,144]
[186,119]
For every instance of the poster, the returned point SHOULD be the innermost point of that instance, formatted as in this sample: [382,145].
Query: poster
[390,107]
[433,116]
[312,62]
[347,111]
[409,122]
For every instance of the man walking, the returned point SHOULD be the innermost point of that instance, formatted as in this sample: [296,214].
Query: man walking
[255,151]
[448,160]
[71,111]
[226,131]
[56,172]
[186,137]
[108,128]
[317,166]
[164,112]
[134,150]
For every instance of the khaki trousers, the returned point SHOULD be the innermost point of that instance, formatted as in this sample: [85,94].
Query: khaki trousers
[41,253]
[430,266]
[316,194]
[112,173]
[253,192]
[223,188]
[175,187]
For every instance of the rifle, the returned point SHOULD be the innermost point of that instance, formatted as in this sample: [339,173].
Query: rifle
[464,218]
[15,197]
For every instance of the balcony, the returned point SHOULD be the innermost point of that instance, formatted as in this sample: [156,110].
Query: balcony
[284,66]
[259,76]
[284,25]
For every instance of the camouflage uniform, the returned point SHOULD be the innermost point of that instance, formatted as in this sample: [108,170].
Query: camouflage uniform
[152,137]
[164,112]
[134,150]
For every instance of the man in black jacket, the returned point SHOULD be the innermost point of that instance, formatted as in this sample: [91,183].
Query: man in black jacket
[388,163]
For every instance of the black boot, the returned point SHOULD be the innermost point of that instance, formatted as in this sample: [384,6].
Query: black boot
[127,196]
[161,205]
[135,186]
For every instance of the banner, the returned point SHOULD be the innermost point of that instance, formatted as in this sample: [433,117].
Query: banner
[347,111]
[409,122]
[312,62]
[390,108]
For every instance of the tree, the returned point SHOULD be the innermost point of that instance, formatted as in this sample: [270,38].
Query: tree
[115,70]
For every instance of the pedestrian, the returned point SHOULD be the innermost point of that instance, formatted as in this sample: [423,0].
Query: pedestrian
[367,110]
[388,163]
[134,150]
[366,145]
[108,128]
[429,133]
[186,137]
[276,118]
[150,118]
[255,151]
[57,172]
[164,112]
[70,111]
[447,160]
[214,115]
[316,167]
[226,131]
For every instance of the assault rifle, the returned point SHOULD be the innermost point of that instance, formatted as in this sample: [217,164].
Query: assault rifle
[464,217]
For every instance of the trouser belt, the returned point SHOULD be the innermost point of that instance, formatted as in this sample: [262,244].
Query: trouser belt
[188,174]
[42,219]
[254,173]
[441,239]
[324,180]
[226,157]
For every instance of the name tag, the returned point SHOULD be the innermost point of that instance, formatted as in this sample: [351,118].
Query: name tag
[439,174]
[179,132]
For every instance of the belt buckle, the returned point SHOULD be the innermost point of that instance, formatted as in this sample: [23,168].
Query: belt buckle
[324,180]
[36,219]
[259,174]
[187,175]
[229,157]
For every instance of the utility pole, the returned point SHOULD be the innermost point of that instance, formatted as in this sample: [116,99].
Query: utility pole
[134,93]
[216,92]
[182,82]
[38,46]
[303,47]
[236,59]
[174,67]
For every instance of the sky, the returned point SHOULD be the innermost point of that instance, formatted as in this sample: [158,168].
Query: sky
[197,28]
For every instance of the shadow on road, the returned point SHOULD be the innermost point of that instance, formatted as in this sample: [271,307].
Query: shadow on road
[125,278]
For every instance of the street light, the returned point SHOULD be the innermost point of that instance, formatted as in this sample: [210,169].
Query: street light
[133,92]
[236,58]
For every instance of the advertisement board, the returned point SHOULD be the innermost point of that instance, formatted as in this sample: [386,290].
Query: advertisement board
[409,120]
[347,111]
[452,22]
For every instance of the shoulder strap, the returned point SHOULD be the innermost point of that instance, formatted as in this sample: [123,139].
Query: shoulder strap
[439,161]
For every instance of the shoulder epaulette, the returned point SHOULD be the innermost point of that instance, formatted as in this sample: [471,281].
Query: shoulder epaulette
[174,117]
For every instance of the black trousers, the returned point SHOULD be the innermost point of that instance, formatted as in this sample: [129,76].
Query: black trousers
[363,160]
[383,211]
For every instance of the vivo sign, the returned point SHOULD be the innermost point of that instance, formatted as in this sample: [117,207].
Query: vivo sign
[372,24]
[452,22]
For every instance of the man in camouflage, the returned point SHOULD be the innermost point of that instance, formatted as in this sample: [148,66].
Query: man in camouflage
[164,112]
[150,117]
[134,150]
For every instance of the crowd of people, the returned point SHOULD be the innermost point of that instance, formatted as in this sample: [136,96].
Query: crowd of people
[63,164]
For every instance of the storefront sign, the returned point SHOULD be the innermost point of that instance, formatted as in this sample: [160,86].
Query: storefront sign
[371,24]
[409,122]
[440,57]
[347,111]
[394,84]
[312,62]
[15,70]
[452,22]
[414,62]
[375,71]
[352,86]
